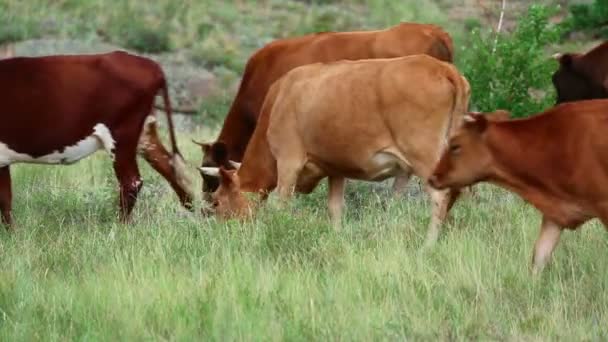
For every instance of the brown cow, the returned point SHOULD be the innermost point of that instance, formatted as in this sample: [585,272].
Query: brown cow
[275,59]
[60,109]
[557,161]
[368,120]
[582,76]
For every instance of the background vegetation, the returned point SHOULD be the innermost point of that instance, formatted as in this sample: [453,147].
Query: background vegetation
[72,272]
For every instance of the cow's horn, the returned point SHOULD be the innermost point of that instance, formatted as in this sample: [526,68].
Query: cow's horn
[469,118]
[557,56]
[210,171]
[235,164]
[199,143]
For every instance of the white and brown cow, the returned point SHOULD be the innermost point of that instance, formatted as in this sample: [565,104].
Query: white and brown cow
[368,120]
[60,109]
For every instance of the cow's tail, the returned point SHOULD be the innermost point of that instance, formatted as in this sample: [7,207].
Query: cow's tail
[460,104]
[177,161]
[168,112]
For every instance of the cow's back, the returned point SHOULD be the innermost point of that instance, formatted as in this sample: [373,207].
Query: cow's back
[595,63]
[275,59]
[54,99]
[345,111]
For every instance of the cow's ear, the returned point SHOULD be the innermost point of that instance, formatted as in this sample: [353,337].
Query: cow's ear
[476,121]
[229,179]
[205,146]
[219,153]
[565,59]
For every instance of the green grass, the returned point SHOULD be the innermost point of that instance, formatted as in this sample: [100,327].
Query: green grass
[70,272]
[215,33]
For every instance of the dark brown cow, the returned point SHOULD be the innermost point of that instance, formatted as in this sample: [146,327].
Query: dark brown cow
[60,109]
[275,59]
[582,76]
[557,161]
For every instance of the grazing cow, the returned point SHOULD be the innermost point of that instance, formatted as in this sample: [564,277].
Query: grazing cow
[60,109]
[566,181]
[582,76]
[275,59]
[367,120]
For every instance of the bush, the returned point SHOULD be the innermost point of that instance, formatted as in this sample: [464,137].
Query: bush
[517,76]
[13,28]
[588,17]
[218,50]
[130,30]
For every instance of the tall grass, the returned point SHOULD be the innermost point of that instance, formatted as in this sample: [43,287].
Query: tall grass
[71,272]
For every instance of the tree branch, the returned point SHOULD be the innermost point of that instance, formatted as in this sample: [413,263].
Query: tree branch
[502,15]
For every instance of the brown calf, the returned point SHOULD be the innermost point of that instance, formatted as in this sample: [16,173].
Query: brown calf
[557,161]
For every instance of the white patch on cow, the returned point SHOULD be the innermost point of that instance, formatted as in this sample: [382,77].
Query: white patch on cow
[144,142]
[136,184]
[101,132]
[100,138]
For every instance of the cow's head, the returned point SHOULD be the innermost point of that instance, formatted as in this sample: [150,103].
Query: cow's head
[467,158]
[215,155]
[570,83]
[228,201]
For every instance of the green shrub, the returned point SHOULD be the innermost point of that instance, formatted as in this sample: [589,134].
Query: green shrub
[471,24]
[218,50]
[326,18]
[147,34]
[213,110]
[517,76]
[14,28]
[587,17]
[144,39]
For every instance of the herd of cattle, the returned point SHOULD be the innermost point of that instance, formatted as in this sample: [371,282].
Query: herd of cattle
[365,105]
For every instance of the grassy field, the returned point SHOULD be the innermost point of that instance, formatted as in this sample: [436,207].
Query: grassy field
[71,272]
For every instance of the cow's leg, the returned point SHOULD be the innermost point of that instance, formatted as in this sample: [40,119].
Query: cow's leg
[287,177]
[549,236]
[153,151]
[400,182]
[336,200]
[441,202]
[127,172]
[6,196]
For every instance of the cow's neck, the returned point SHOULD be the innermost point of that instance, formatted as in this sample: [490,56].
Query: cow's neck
[258,172]
[514,168]
[237,130]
